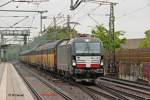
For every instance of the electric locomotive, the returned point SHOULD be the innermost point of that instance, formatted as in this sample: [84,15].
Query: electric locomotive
[81,58]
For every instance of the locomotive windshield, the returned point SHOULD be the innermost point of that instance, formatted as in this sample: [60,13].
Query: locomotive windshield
[87,47]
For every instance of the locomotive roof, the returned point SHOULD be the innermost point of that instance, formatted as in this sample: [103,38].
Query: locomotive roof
[65,42]
[83,39]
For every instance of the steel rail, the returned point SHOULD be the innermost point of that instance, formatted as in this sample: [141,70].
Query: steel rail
[92,95]
[139,90]
[112,91]
[123,93]
[87,91]
[60,92]
[128,83]
[102,94]
[38,97]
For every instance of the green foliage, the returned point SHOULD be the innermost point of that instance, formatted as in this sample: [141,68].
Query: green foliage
[59,33]
[146,42]
[103,34]
[51,34]
[12,52]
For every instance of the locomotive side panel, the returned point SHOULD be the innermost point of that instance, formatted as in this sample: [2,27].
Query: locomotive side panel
[63,58]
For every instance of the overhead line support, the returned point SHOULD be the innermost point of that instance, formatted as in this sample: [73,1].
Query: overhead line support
[18,27]
[112,32]
[24,11]
[41,12]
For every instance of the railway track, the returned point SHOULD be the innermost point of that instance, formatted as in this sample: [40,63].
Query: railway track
[94,94]
[83,88]
[108,96]
[123,88]
[89,92]
[112,90]
[128,83]
[57,77]
[107,93]
[45,82]
[36,94]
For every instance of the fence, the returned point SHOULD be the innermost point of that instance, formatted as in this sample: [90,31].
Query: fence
[131,64]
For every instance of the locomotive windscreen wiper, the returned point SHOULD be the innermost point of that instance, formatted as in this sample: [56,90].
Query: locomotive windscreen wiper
[88,48]
[85,47]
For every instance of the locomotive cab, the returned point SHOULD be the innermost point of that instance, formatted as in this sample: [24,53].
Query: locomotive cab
[87,59]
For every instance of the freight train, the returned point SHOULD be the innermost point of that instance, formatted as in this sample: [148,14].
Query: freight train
[80,59]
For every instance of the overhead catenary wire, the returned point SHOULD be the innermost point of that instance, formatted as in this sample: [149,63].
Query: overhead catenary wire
[19,21]
[30,1]
[33,18]
[16,23]
[77,12]
[135,11]
[13,16]
[4,22]
[34,15]
[94,19]
[6,3]
[92,10]
[86,14]
[57,15]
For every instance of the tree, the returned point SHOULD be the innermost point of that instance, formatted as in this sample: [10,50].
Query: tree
[12,52]
[146,42]
[51,33]
[103,34]
[59,33]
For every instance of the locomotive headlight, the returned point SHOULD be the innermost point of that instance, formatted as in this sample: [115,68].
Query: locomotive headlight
[73,63]
[87,40]
[102,63]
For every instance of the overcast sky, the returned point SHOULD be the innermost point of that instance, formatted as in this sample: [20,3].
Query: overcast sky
[132,16]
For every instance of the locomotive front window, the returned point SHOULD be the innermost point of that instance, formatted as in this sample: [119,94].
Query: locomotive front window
[87,47]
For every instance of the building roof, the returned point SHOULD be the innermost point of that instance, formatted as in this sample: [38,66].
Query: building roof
[133,43]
